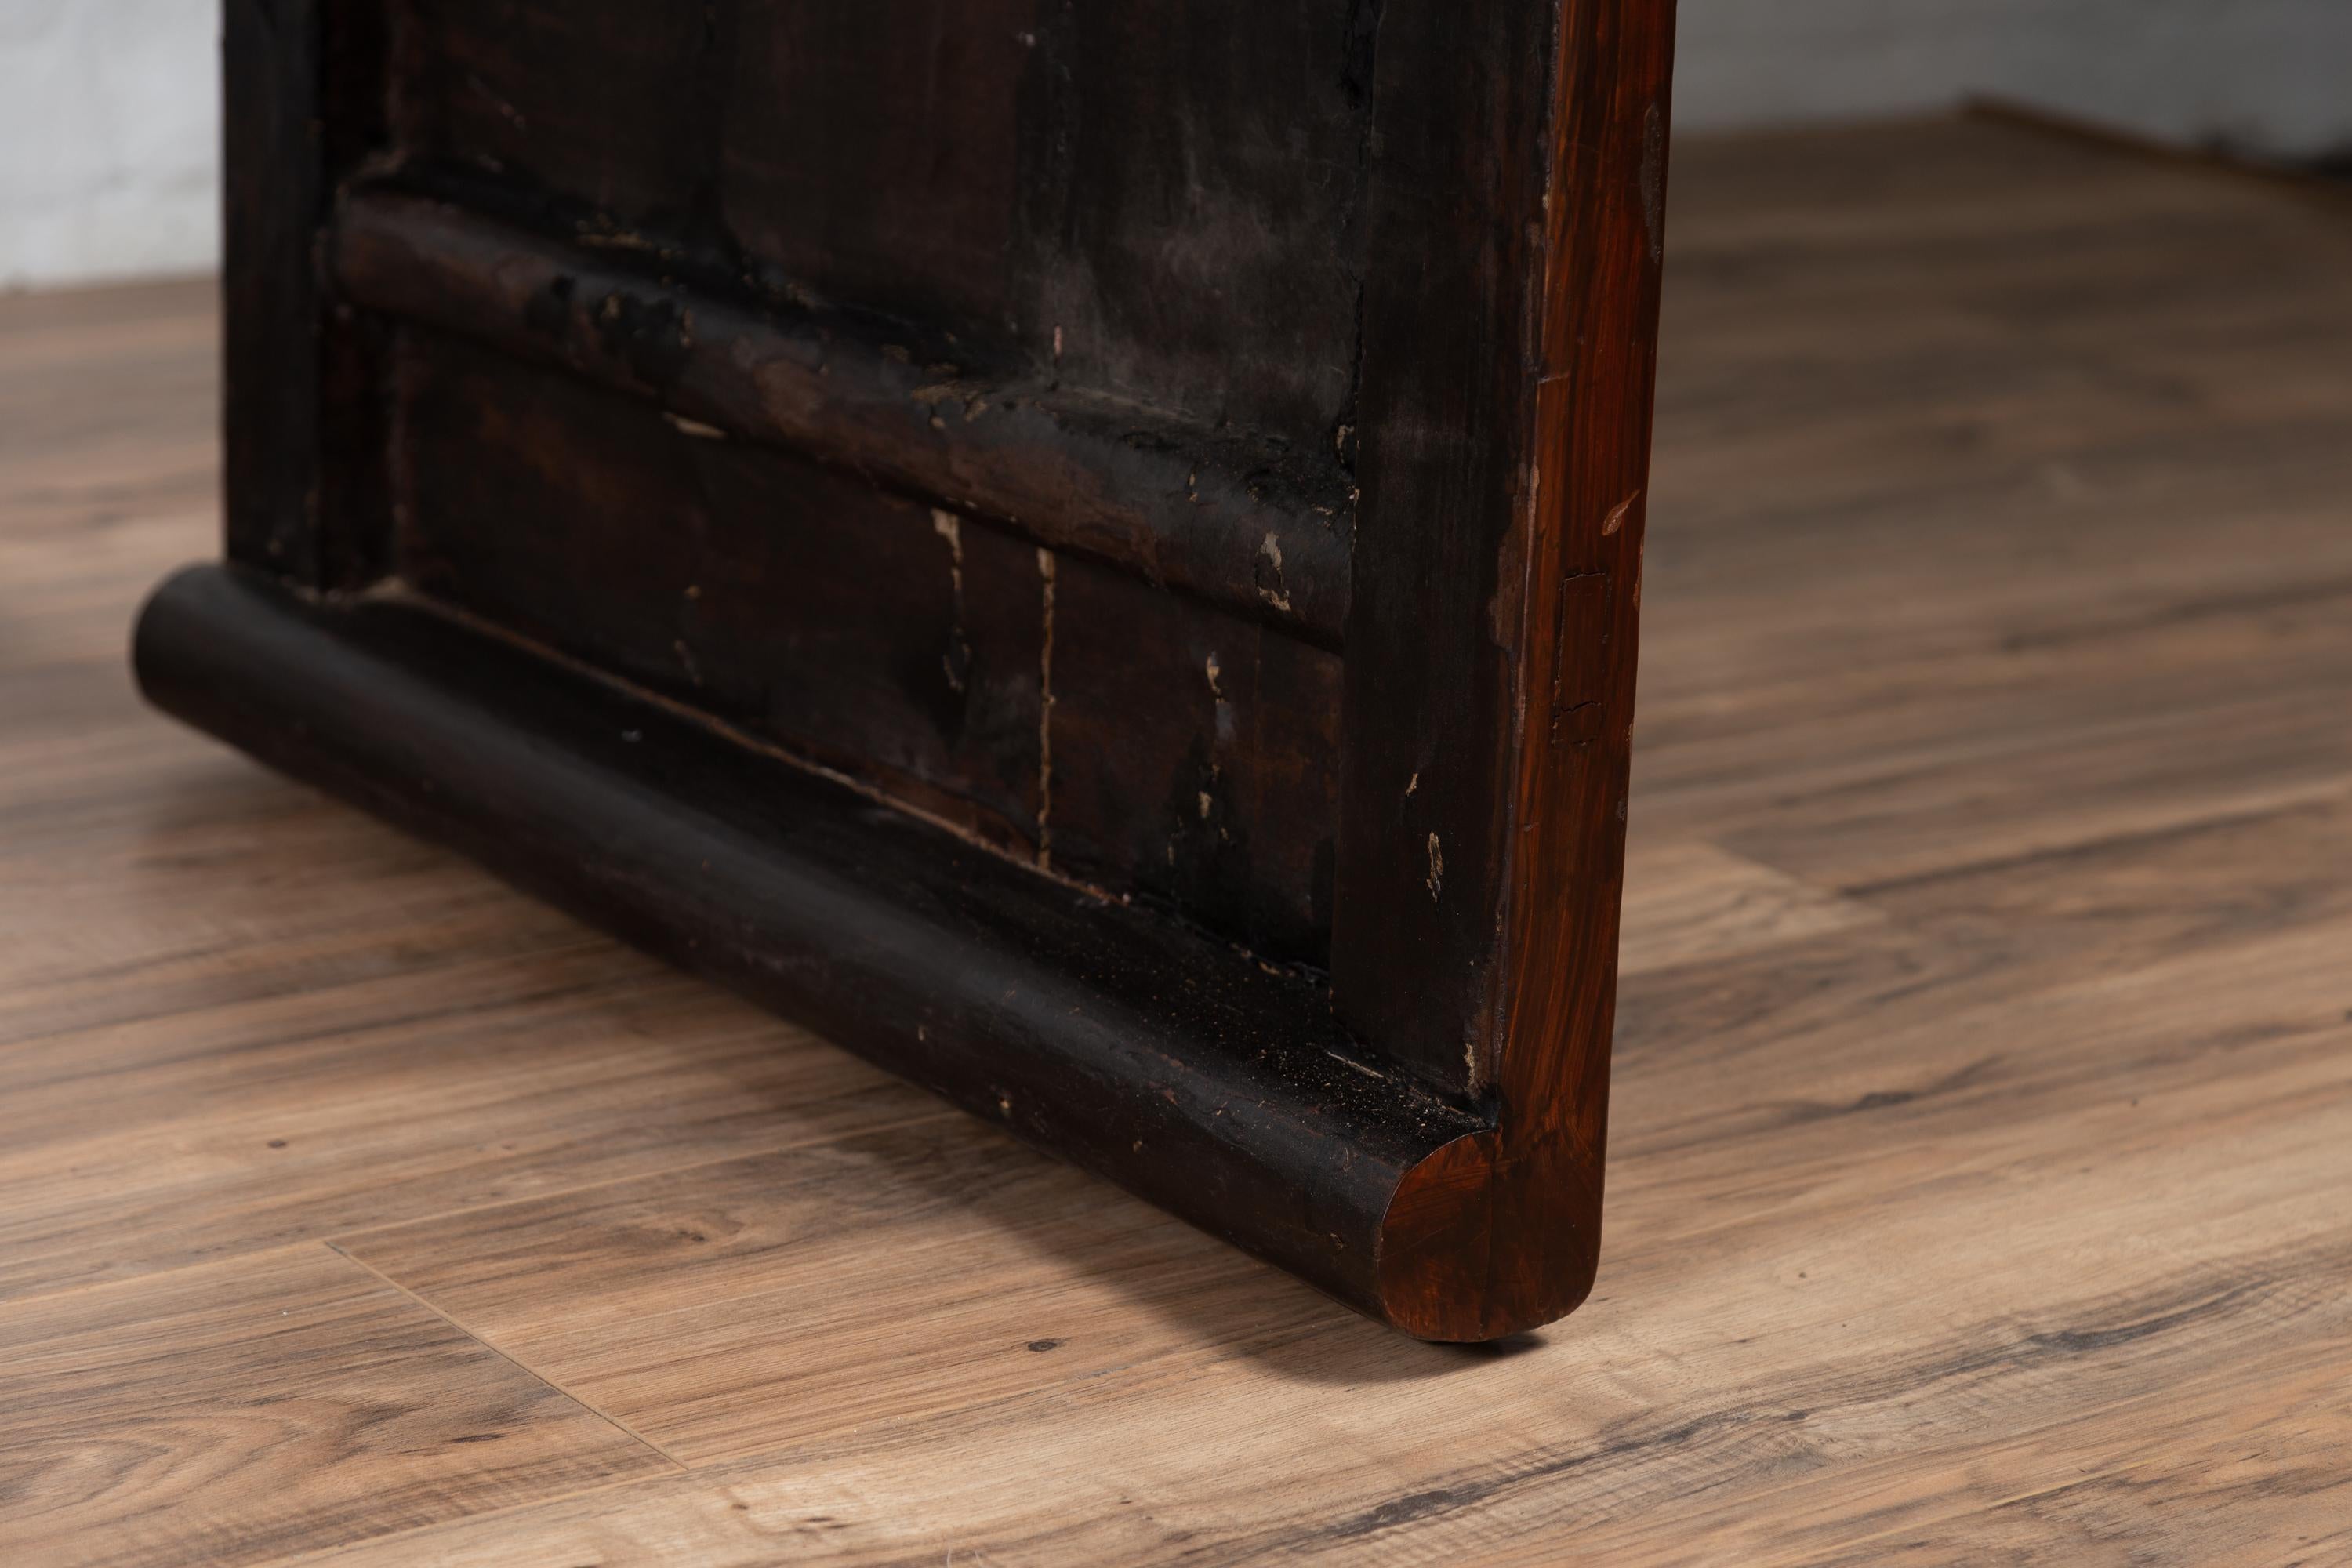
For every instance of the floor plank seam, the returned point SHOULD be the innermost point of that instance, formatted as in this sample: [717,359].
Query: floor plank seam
[524,1367]
[334,1238]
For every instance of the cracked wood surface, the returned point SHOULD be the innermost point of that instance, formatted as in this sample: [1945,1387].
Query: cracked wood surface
[1984,1108]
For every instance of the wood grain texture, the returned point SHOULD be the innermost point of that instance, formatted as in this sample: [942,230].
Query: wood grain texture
[862,629]
[1148,200]
[729,1309]
[447,1067]
[1983,1103]
[291,1399]
[1221,807]
[897,643]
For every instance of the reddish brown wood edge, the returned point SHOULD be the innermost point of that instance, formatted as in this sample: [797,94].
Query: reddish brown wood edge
[1533,1187]
[1217,1086]
[1482,1241]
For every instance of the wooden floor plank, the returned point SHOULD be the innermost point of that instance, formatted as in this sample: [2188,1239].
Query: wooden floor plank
[1908,1223]
[212,1047]
[246,1127]
[1984,1108]
[2255,1474]
[734,1307]
[1689,902]
[225,1415]
[1623,1449]
[2056,450]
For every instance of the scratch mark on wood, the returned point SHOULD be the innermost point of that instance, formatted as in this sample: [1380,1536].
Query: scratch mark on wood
[694,427]
[1436,867]
[1277,594]
[1045,719]
[1618,513]
[958,656]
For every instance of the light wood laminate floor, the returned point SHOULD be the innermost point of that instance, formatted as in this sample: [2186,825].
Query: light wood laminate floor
[1981,1178]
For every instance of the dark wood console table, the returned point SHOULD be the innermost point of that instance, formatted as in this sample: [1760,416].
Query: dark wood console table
[1090,551]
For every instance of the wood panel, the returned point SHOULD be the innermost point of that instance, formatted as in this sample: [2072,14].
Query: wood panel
[1982,1116]
[636,147]
[1224,804]
[1246,523]
[872,633]
[1090,277]
[898,643]
[1155,201]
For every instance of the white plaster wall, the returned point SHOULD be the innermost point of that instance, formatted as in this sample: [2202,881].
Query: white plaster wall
[110,108]
[2266,76]
[109,138]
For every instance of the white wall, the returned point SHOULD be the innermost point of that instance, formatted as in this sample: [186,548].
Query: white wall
[108,109]
[108,117]
[2266,76]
